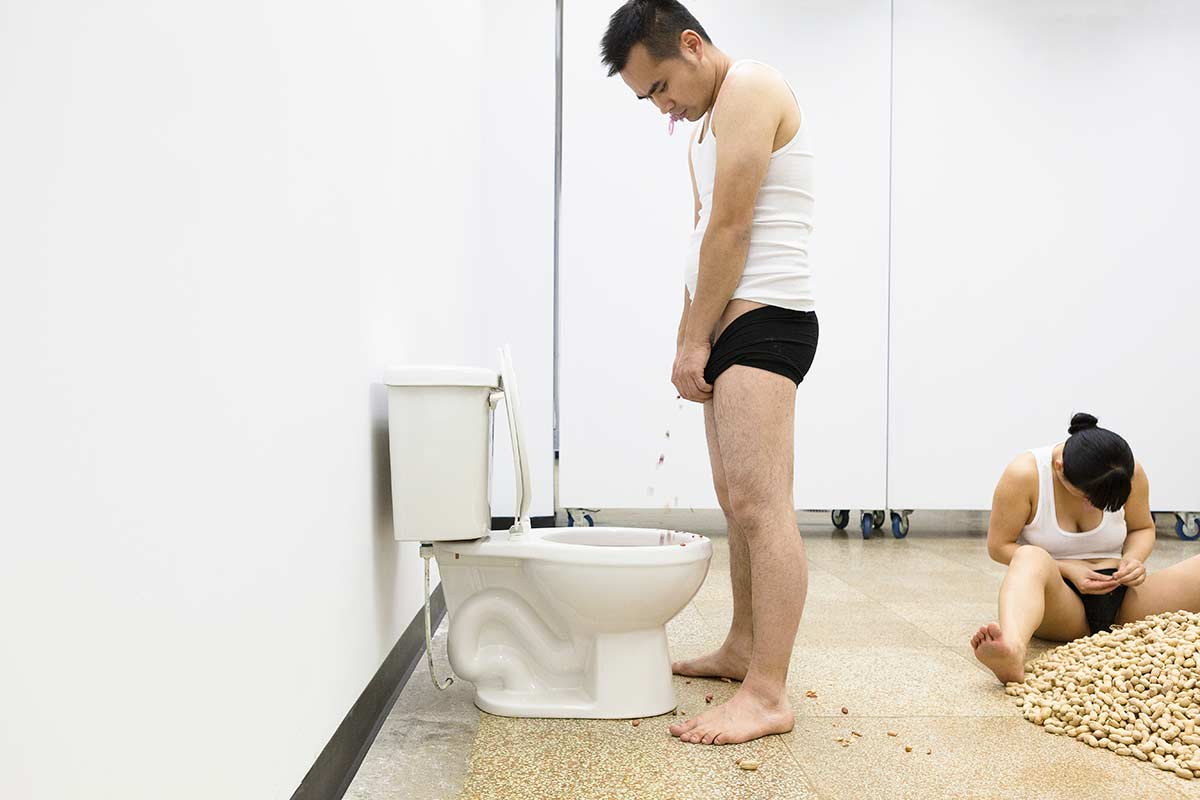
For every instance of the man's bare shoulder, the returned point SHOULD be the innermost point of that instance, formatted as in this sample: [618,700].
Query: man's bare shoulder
[752,85]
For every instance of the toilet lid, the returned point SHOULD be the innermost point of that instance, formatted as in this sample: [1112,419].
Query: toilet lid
[512,402]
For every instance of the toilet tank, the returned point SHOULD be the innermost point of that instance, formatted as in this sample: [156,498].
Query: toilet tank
[440,434]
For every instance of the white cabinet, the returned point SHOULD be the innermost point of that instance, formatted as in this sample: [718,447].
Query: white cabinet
[1043,250]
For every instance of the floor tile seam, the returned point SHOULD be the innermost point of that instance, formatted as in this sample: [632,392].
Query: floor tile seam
[809,783]
[850,717]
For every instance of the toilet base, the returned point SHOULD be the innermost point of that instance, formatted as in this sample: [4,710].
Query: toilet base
[629,676]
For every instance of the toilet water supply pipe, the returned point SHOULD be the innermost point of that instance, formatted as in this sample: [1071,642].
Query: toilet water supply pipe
[427,553]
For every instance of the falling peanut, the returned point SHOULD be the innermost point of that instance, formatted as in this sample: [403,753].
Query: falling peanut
[1133,690]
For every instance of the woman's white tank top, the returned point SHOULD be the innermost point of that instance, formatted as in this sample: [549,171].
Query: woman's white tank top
[777,271]
[1104,541]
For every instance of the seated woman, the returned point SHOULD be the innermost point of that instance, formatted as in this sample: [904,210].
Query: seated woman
[1073,523]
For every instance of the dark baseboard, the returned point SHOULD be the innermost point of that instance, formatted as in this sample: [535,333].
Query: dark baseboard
[334,769]
[504,523]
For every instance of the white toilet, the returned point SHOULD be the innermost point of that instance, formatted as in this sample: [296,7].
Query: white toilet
[546,622]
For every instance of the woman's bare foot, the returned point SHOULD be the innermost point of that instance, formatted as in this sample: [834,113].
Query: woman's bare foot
[1002,656]
[725,662]
[746,716]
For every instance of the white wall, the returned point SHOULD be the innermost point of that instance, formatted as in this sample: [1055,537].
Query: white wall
[221,223]
[516,232]
[1043,257]
[627,212]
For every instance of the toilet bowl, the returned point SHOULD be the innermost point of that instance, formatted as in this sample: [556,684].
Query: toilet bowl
[545,622]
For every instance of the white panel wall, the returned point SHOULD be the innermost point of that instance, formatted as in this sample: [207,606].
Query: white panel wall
[1043,239]
[626,215]
[221,222]
[516,231]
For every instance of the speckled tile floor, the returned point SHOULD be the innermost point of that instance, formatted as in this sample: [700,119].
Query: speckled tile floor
[884,634]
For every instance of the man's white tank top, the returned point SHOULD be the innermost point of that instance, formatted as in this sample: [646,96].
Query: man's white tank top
[1104,541]
[777,271]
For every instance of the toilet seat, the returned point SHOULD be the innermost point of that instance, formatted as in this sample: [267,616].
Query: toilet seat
[512,405]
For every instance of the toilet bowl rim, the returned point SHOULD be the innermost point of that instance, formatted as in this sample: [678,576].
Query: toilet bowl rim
[535,546]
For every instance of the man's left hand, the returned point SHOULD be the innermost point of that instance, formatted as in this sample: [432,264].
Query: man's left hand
[688,371]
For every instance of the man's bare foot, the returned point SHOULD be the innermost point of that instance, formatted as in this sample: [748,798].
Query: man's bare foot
[724,662]
[746,716]
[1002,656]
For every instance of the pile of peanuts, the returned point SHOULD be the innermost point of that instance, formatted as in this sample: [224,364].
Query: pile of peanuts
[1132,690]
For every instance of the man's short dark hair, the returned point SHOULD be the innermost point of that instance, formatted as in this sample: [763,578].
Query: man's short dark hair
[657,24]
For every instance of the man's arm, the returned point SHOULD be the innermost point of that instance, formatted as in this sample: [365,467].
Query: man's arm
[687,302]
[695,190]
[687,298]
[749,118]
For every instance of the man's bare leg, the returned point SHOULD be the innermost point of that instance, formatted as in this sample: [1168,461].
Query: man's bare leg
[755,417]
[732,658]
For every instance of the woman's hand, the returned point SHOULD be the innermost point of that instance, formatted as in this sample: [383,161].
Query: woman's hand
[688,371]
[1086,579]
[1131,572]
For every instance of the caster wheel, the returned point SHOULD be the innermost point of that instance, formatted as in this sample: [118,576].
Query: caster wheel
[878,518]
[570,519]
[841,518]
[868,524]
[1185,531]
[899,525]
[591,522]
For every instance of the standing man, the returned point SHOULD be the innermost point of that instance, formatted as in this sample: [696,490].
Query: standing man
[747,335]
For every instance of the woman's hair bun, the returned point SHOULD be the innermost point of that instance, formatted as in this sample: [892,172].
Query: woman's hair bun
[1081,422]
